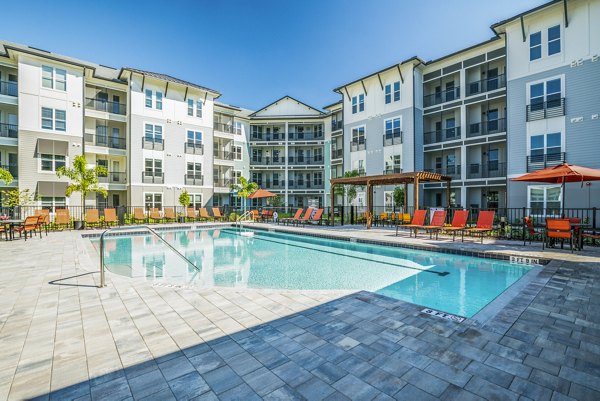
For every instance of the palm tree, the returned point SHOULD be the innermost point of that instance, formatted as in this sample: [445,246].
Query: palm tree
[5,176]
[83,180]
[244,189]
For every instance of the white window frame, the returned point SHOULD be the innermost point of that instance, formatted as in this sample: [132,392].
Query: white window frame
[53,205]
[54,119]
[53,161]
[237,127]
[387,93]
[544,81]
[162,132]
[559,40]
[195,141]
[540,46]
[148,99]
[392,119]
[388,207]
[158,100]
[358,101]
[153,202]
[190,107]
[55,80]
[234,150]
[545,189]
[194,202]
[199,106]
[545,134]
[357,128]
[154,170]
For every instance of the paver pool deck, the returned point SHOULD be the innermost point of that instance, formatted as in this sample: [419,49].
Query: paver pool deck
[63,338]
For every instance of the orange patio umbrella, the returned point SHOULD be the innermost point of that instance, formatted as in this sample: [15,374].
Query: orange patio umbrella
[261,193]
[562,174]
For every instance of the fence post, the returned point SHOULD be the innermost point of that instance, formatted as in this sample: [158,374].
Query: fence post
[351,215]
[523,222]
[594,210]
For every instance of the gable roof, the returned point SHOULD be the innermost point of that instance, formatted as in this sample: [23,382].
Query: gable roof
[530,11]
[168,78]
[290,98]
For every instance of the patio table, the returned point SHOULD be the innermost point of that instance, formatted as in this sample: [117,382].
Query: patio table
[9,225]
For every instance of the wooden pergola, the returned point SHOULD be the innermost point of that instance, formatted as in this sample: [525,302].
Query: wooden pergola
[415,178]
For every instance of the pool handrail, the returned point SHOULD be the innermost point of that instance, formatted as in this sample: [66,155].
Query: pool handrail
[102,278]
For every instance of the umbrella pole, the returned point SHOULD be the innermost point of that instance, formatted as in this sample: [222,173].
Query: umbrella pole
[563,198]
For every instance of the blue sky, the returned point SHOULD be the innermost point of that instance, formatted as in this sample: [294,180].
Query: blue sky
[256,51]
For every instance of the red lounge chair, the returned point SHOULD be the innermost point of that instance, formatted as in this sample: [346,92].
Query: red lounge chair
[559,229]
[437,224]
[288,219]
[485,224]
[530,230]
[304,218]
[459,222]
[417,221]
[314,219]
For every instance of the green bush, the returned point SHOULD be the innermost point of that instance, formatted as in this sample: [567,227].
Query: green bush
[233,216]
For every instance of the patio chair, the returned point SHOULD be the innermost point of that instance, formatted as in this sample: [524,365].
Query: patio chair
[296,216]
[314,218]
[203,215]
[405,218]
[459,222]
[4,230]
[169,215]
[304,218]
[436,225]
[154,216]
[62,218]
[191,214]
[255,214]
[531,231]
[418,220]
[92,218]
[558,229]
[110,217]
[485,224]
[44,223]
[217,214]
[266,215]
[139,215]
[30,225]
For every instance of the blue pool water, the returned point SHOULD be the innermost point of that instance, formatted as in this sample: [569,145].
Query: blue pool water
[456,284]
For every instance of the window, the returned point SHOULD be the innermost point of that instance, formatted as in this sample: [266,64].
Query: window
[190,107]
[358,135]
[396,92]
[451,164]
[54,78]
[547,146]
[153,167]
[257,131]
[493,155]
[50,202]
[358,103]
[148,98]
[237,152]
[554,40]
[194,138]
[194,170]
[52,162]
[450,128]
[153,133]
[199,108]
[196,201]
[392,128]
[535,46]
[159,99]
[318,178]
[544,200]
[54,119]
[237,127]
[153,200]
[388,94]
[549,91]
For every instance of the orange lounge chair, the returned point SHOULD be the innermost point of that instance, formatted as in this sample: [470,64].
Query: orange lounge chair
[485,224]
[45,221]
[203,214]
[316,218]
[437,224]
[62,218]
[559,229]
[139,215]
[304,218]
[459,222]
[154,216]
[30,225]
[110,217]
[418,220]
[217,214]
[288,219]
[169,215]
[92,218]
[191,214]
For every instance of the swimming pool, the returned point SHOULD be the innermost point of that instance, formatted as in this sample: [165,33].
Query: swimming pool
[460,285]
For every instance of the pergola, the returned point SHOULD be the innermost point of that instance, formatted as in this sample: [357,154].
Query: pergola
[414,178]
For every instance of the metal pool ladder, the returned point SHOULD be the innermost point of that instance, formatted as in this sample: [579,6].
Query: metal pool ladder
[247,216]
[102,279]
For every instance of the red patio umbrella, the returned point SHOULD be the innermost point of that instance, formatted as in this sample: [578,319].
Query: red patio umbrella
[562,174]
[261,193]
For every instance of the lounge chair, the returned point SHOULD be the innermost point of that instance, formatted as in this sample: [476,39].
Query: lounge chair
[314,219]
[203,214]
[169,215]
[30,225]
[110,217]
[304,218]
[191,214]
[559,229]
[530,230]
[459,222]
[288,219]
[62,219]
[92,218]
[154,216]
[436,225]
[266,215]
[485,224]
[139,215]
[418,221]
[217,214]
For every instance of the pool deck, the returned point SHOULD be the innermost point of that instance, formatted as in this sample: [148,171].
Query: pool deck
[63,338]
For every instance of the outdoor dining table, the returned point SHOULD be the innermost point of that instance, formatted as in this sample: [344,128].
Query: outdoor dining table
[9,224]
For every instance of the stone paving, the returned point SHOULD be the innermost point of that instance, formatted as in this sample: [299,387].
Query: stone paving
[63,338]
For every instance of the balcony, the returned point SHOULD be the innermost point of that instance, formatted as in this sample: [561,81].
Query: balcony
[548,109]
[337,153]
[194,179]
[223,155]
[153,143]
[441,97]
[305,184]
[443,135]
[538,162]
[336,125]
[113,178]
[267,161]
[106,141]
[487,128]
[267,137]
[105,106]
[451,171]
[305,136]
[192,148]
[393,138]
[392,170]
[222,182]
[280,184]
[486,85]
[153,177]
[358,144]
[9,130]
[227,128]
[305,161]
[491,169]
[9,88]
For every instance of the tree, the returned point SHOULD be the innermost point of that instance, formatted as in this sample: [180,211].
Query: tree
[14,198]
[184,199]
[244,189]
[399,197]
[348,191]
[83,180]
[5,176]
[276,201]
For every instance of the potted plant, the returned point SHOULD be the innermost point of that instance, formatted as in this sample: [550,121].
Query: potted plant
[184,200]
[83,180]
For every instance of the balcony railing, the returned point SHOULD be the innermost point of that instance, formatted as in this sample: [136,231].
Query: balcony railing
[296,184]
[451,171]
[106,106]
[13,169]
[153,177]
[486,85]
[194,179]
[223,155]
[153,143]
[267,137]
[538,162]
[107,141]
[361,172]
[548,109]
[336,125]
[392,170]
[9,88]
[443,135]
[267,161]
[9,130]
[441,97]
[487,127]
[113,177]
[192,148]
[305,136]
[280,184]
[337,153]
[305,161]
[228,128]
[356,145]
[394,138]
[492,169]
[222,182]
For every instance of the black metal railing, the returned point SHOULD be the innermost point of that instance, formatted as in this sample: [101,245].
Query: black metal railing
[153,177]
[194,179]
[9,130]
[336,125]
[487,127]
[267,137]
[113,177]
[451,171]
[106,141]
[441,97]
[13,169]
[305,160]
[337,153]
[227,128]
[394,138]
[305,184]
[305,136]
[358,144]
[279,184]
[192,148]
[442,135]
[548,109]
[486,85]
[267,161]
[538,162]
[222,182]
[222,155]
[153,143]
[106,106]
[491,169]
[9,88]
[392,170]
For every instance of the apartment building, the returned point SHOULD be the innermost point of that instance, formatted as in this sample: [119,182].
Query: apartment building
[336,146]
